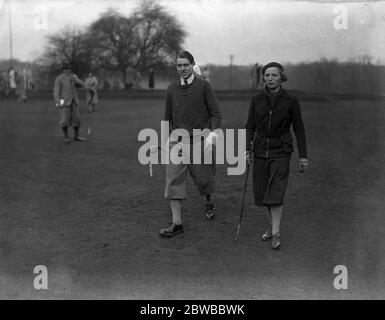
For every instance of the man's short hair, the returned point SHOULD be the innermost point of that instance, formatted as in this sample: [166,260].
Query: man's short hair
[186,55]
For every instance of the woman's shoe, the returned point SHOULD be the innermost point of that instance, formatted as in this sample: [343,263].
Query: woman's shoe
[275,241]
[267,235]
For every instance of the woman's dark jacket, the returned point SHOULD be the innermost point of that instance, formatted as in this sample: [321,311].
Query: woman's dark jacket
[270,124]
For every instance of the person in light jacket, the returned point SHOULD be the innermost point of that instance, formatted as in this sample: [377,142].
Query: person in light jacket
[91,84]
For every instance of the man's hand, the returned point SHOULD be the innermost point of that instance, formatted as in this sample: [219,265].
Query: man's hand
[210,141]
[74,77]
[303,164]
[76,81]
[59,104]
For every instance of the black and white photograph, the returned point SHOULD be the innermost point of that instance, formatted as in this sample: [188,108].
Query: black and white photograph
[192,150]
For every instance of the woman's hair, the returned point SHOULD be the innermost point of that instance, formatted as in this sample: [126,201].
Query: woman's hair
[186,55]
[277,65]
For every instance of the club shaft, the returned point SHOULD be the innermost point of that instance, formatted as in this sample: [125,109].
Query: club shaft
[238,231]
[150,166]
[244,194]
[243,202]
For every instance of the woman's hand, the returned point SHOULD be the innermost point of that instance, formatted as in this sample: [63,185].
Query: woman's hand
[303,164]
[249,158]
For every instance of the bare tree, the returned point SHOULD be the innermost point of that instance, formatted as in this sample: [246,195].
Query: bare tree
[148,38]
[113,40]
[159,37]
[68,45]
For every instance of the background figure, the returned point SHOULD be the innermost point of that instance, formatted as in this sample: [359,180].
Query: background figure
[259,77]
[4,82]
[12,81]
[66,100]
[255,75]
[2,86]
[133,79]
[151,79]
[91,84]
[137,77]
[29,79]
[129,84]
[21,85]
[206,73]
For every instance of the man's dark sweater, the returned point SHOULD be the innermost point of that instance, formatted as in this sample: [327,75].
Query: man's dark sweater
[193,106]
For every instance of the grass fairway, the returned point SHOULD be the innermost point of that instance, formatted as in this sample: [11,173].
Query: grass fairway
[91,214]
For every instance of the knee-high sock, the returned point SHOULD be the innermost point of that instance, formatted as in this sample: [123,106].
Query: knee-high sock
[176,210]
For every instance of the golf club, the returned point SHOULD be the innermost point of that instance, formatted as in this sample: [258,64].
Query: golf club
[243,202]
[154,148]
[244,191]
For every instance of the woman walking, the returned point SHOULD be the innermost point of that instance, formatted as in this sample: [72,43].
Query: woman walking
[271,115]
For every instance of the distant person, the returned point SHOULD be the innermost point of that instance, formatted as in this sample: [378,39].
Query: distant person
[137,77]
[151,79]
[206,73]
[272,113]
[4,82]
[21,85]
[30,80]
[255,75]
[190,104]
[130,78]
[258,79]
[2,86]
[66,100]
[91,84]
[12,81]
[133,79]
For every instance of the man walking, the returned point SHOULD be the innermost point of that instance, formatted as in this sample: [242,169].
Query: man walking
[190,104]
[66,100]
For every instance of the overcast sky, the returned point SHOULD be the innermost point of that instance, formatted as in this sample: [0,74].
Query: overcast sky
[251,30]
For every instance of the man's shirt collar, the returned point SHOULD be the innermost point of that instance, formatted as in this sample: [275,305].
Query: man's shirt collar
[189,80]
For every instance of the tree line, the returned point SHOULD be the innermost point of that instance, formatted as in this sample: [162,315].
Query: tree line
[149,38]
[358,76]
